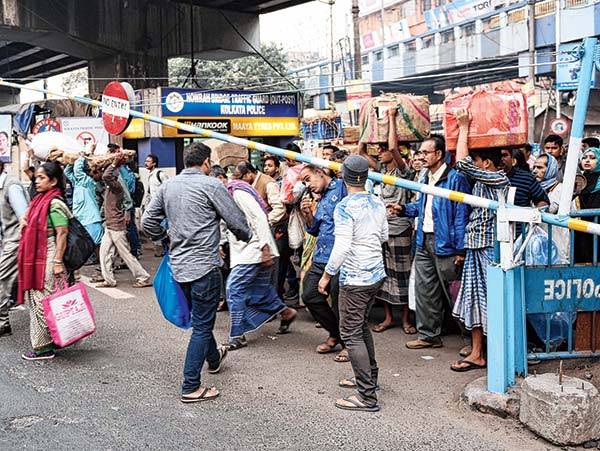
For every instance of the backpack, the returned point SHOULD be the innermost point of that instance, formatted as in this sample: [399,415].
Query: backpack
[139,192]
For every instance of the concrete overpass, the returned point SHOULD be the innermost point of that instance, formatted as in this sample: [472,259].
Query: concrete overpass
[123,39]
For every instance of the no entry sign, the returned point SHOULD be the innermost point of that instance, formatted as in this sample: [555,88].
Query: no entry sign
[116,103]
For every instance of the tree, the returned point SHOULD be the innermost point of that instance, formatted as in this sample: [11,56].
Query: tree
[250,72]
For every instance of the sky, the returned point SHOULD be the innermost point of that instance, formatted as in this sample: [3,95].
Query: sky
[302,28]
[306,27]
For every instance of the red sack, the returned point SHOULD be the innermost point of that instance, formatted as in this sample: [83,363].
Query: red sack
[498,119]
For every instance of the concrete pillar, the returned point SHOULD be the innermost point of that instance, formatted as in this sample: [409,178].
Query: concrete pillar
[141,71]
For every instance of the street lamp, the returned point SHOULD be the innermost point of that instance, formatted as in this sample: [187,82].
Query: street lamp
[331,49]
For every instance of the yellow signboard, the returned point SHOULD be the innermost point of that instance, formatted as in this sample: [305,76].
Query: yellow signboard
[136,129]
[237,126]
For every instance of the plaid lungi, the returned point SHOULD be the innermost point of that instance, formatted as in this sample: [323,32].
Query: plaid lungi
[397,252]
[471,305]
[252,298]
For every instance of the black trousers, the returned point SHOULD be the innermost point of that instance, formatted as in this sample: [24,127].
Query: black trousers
[327,316]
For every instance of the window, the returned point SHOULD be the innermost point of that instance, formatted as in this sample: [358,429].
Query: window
[469,29]
[364,59]
[411,46]
[427,42]
[393,51]
[379,56]
[447,36]
[427,5]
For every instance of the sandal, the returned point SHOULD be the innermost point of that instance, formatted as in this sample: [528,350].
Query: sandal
[104,285]
[470,366]
[409,329]
[202,396]
[284,326]
[356,405]
[142,284]
[342,357]
[234,344]
[97,279]
[381,327]
[350,382]
[326,348]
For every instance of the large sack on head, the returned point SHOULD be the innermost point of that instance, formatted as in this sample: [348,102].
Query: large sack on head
[412,121]
[498,118]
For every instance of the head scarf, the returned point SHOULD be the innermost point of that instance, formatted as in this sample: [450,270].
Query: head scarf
[597,168]
[549,179]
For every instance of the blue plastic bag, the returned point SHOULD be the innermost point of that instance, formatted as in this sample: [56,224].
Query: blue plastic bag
[536,254]
[173,302]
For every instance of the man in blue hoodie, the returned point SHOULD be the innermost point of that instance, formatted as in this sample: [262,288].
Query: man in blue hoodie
[440,247]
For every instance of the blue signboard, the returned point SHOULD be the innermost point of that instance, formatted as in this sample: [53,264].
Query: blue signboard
[201,103]
[568,67]
[562,289]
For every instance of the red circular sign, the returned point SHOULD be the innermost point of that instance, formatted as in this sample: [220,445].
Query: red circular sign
[559,126]
[46,125]
[116,103]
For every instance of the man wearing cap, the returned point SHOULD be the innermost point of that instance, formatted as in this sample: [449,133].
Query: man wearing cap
[361,228]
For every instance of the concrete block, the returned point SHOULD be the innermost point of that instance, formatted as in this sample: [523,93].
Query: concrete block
[476,395]
[563,415]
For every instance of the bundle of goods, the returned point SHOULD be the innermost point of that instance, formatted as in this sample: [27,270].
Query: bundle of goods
[351,134]
[498,118]
[322,126]
[95,160]
[412,121]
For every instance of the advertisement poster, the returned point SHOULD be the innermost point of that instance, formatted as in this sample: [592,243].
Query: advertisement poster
[568,67]
[5,134]
[88,130]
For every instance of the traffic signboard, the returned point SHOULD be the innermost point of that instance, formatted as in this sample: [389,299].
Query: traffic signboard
[116,103]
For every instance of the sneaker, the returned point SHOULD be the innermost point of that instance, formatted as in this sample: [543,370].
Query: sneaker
[5,331]
[32,355]
[422,344]
[222,354]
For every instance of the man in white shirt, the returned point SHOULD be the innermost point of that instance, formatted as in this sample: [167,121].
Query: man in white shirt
[251,295]
[156,178]
[361,228]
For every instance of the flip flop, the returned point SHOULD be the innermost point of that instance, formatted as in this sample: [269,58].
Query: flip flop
[201,397]
[356,405]
[350,382]
[342,357]
[409,330]
[326,348]
[382,327]
[142,284]
[104,285]
[284,326]
[470,366]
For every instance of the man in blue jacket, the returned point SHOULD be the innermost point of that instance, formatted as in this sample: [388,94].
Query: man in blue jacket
[440,248]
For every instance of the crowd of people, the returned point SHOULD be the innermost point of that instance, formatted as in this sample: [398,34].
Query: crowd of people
[267,243]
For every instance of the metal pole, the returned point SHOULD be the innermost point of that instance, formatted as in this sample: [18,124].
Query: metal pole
[332,93]
[557,40]
[583,94]
[356,29]
[531,16]
[456,196]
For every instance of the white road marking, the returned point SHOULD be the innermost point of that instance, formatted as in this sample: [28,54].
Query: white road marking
[111,292]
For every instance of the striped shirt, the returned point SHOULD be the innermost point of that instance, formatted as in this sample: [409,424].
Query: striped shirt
[529,190]
[479,232]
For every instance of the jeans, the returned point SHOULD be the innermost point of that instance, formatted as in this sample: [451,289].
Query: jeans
[133,236]
[203,295]
[355,304]
[317,304]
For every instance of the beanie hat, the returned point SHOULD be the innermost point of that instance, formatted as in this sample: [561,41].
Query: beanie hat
[355,170]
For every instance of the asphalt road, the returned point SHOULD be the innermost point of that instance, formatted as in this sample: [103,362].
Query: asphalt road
[119,390]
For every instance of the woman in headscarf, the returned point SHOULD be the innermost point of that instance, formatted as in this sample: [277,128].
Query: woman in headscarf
[589,198]
[41,250]
[545,170]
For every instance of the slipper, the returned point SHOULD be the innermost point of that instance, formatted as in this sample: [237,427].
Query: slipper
[356,405]
[201,397]
[470,366]
[97,279]
[382,327]
[222,354]
[235,343]
[350,382]
[342,357]
[284,326]
[326,348]
[104,285]
[142,284]
[409,330]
